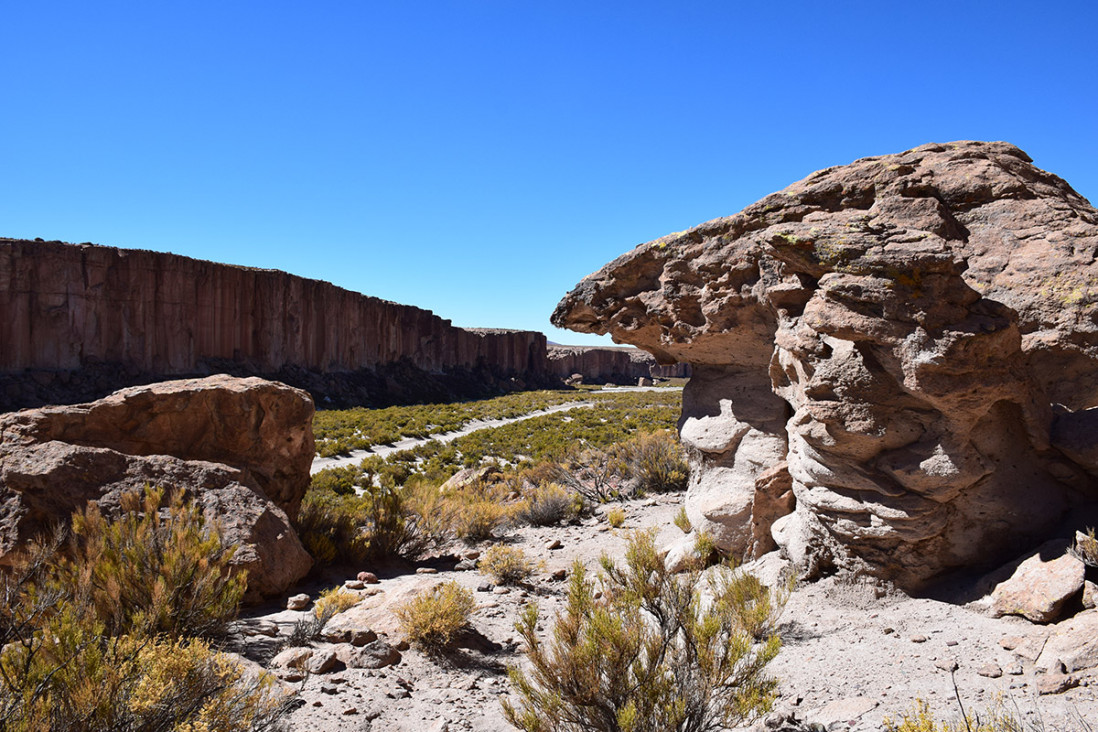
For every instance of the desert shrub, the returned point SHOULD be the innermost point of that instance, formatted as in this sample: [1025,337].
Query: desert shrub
[682,521]
[506,565]
[546,505]
[657,462]
[154,571]
[646,656]
[1086,549]
[615,517]
[597,475]
[476,511]
[95,637]
[921,719]
[755,607]
[705,549]
[73,677]
[431,619]
[342,480]
[334,601]
[355,528]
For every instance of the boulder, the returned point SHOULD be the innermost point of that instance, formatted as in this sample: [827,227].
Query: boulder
[1072,643]
[1041,585]
[241,448]
[895,331]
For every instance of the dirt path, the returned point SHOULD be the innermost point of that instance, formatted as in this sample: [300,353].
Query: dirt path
[356,456]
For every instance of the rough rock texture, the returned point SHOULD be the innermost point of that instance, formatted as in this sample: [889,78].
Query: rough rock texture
[600,365]
[1040,585]
[241,447]
[895,330]
[69,308]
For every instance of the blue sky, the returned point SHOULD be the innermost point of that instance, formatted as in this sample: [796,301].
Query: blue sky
[479,158]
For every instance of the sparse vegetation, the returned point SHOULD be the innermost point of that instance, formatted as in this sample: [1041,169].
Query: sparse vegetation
[332,602]
[646,656]
[657,462]
[100,634]
[921,719]
[1086,548]
[506,565]
[682,521]
[546,505]
[616,517]
[431,619]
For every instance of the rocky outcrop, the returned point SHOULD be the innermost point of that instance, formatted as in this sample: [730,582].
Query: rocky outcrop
[240,447]
[895,331]
[70,308]
[600,365]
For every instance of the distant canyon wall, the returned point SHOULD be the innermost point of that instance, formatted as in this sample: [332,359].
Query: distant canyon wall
[74,308]
[600,364]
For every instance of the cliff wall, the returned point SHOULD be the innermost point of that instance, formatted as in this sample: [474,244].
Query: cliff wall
[68,308]
[605,364]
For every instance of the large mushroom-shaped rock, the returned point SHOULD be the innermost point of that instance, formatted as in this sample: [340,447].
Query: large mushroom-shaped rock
[240,447]
[894,330]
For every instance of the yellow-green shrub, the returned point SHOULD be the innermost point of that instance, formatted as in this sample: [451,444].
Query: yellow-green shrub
[506,565]
[1086,548]
[683,521]
[646,656]
[153,571]
[921,719]
[657,462]
[334,601]
[615,517]
[546,505]
[431,619]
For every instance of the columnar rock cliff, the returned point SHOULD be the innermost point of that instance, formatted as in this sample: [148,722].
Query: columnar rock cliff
[886,340]
[68,307]
[599,364]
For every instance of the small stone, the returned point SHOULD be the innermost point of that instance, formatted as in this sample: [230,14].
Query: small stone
[951,642]
[323,662]
[471,554]
[426,570]
[1090,594]
[1014,669]
[465,565]
[484,588]
[350,710]
[354,584]
[918,639]
[947,664]
[501,590]
[1010,642]
[329,690]
[318,703]
[368,577]
[298,602]
[559,575]
[292,658]
[990,670]
[354,636]
[262,627]
[888,631]
[554,544]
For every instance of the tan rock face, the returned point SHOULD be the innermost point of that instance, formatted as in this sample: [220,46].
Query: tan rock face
[895,331]
[240,447]
[600,365]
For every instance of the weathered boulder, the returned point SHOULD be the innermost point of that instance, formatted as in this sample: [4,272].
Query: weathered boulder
[240,447]
[1040,585]
[895,331]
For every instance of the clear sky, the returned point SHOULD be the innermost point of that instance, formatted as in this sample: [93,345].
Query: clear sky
[479,158]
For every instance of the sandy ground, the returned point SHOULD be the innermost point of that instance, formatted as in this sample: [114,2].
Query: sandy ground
[853,653]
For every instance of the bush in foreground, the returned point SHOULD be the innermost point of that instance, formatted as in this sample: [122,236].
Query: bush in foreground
[102,639]
[431,619]
[646,656]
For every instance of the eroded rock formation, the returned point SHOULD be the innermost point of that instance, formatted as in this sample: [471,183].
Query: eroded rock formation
[72,308]
[893,331]
[240,447]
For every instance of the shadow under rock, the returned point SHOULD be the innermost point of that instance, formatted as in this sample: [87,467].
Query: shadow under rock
[471,649]
[794,633]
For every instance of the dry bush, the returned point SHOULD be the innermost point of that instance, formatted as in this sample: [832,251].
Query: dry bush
[153,571]
[755,607]
[546,505]
[997,719]
[98,639]
[431,619]
[478,510]
[657,462]
[646,656]
[616,517]
[334,601]
[682,521]
[506,565]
